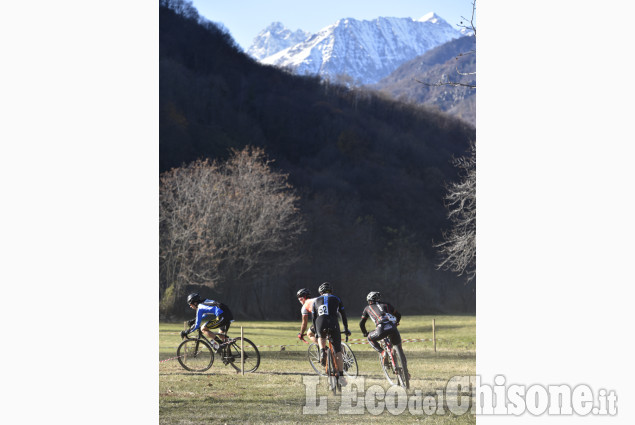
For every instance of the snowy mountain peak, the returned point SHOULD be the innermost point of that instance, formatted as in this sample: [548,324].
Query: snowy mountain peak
[359,51]
[274,38]
[430,17]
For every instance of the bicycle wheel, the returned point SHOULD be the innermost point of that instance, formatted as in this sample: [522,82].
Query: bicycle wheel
[195,355]
[314,358]
[349,360]
[402,368]
[332,377]
[231,355]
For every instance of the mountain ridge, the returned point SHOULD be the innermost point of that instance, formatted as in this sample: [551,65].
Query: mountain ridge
[364,51]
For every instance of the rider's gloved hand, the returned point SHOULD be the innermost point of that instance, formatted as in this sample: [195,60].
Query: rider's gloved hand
[347,332]
[183,334]
[365,334]
[301,336]
[191,322]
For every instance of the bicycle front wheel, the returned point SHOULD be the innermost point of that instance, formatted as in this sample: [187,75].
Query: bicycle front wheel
[349,360]
[195,355]
[314,358]
[251,353]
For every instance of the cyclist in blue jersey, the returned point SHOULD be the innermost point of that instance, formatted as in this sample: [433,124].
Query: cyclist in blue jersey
[325,317]
[210,314]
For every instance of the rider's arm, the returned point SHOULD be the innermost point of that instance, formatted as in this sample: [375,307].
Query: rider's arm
[362,325]
[395,313]
[343,314]
[199,319]
[305,322]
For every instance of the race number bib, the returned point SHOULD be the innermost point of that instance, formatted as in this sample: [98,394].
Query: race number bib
[323,310]
[390,318]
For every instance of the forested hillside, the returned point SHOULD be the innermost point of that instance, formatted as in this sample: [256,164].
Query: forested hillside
[369,172]
[455,62]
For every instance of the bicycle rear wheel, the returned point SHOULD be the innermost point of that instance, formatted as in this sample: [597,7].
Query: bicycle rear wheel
[389,371]
[402,369]
[195,355]
[332,371]
[314,358]
[349,360]
[252,355]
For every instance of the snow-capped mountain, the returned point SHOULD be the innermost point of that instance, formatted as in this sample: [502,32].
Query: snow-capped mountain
[365,51]
[274,38]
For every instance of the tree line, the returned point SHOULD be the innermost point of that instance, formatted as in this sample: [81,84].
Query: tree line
[368,177]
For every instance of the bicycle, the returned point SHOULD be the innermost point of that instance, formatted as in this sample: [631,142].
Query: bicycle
[197,354]
[396,370]
[348,358]
[330,370]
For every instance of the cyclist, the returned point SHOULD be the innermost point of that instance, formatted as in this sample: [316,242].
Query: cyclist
[325,309]
[386,319]
[304,296]
[210,314]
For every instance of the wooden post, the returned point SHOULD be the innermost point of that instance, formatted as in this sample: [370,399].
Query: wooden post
[434,336]
[242,352]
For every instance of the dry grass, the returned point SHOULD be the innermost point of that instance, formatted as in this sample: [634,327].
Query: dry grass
[275,393]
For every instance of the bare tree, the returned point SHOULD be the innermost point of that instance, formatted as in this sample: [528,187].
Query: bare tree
[459,245]
[458,248]
[220,221]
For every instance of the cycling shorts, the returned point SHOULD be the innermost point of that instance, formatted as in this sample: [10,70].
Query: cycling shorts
[221,322]
[324,324]
[383,330]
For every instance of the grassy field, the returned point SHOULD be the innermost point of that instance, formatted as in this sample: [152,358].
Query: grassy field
[275,393]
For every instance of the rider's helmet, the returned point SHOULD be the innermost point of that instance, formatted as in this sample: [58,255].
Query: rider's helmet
[325,287]
[194,298]
[303,293]
[373,297]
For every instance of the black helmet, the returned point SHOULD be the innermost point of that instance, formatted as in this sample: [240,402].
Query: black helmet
[325,287]
[303,293]
[373,296]
[194,298]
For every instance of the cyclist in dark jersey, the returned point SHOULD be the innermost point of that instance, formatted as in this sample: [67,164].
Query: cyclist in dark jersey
[304,296]
[210,314]
[325,317]
[386,319]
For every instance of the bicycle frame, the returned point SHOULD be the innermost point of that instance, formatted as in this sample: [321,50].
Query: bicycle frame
[388,349]
[202,336]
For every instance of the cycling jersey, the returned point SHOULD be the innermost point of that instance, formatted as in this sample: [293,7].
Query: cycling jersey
[379,313]
[213,314]
[386,318]
[307,307]
[328,305]
[325,309]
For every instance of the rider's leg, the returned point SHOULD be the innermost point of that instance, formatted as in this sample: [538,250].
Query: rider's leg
[337,348]
[209,334]
[373,339]
[311,335]
[339,359]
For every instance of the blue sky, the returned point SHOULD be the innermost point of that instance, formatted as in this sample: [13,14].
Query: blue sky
[246,18]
